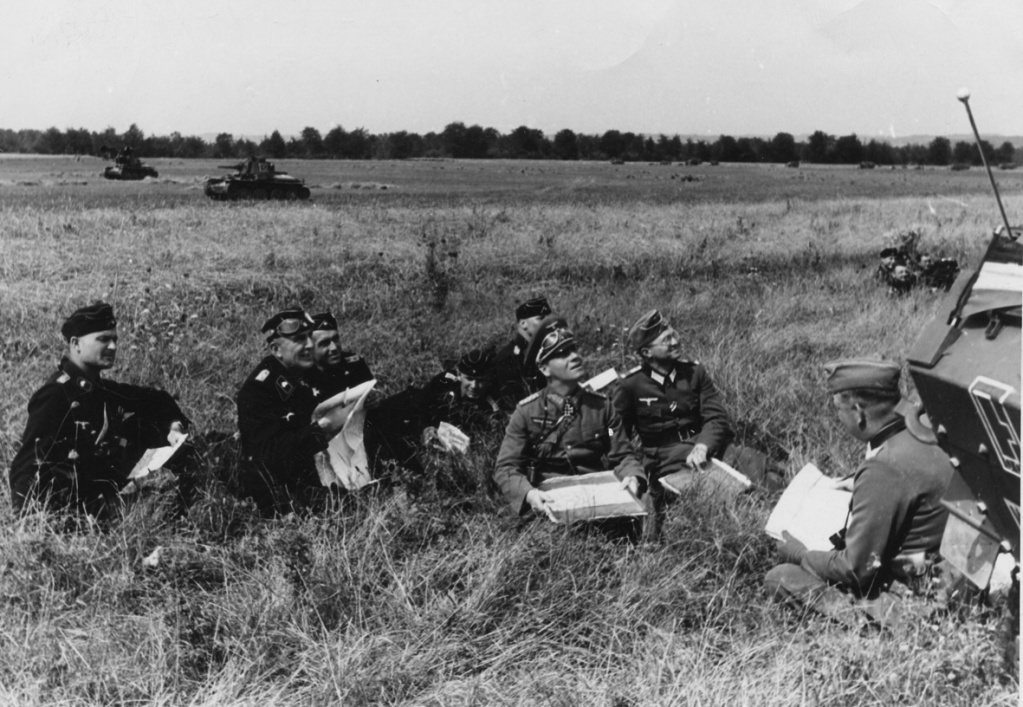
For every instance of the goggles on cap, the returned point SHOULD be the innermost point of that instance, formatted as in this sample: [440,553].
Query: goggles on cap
[288,328]
[560,338]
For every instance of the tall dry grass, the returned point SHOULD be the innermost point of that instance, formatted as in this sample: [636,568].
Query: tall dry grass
[433,596]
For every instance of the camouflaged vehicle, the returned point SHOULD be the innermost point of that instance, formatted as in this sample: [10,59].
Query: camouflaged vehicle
[257,179]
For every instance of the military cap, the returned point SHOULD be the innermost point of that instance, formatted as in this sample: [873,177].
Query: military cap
[853,374]
[476,364]
[552,336]
[289,322]
[536,307]
[647,328]
[324,321]
[98,316]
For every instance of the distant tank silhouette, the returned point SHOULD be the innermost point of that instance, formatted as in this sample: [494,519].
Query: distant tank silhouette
[257,179]
[128,166]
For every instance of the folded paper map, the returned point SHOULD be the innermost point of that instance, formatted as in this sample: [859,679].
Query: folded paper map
[812,509]
[722,479]
[451,438]
[590,497]
[345,461]
[154,459]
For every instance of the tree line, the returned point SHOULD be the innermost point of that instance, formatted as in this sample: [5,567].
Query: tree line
[458,141]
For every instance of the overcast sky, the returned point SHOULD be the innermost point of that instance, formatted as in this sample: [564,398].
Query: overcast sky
[738,67]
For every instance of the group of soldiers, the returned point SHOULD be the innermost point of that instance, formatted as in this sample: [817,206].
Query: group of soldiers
[85,433]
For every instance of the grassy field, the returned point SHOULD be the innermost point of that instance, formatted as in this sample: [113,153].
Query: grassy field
[434,596]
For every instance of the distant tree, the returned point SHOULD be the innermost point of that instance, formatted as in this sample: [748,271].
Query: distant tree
[274,145]
[963,152]
[879,152]
[108,138]
[989,152]
[848,149]
[1006,152]
[939,151]
[133,137]
[589,147]
[612,144]
[566,145]
[783,148]
[224,147]
[818,147]
[526,142]
[192,147]
[453,139]
[312,142]
[334,142]
[245,148]
[725,149]
[51,142]
[398,146]
[78,142]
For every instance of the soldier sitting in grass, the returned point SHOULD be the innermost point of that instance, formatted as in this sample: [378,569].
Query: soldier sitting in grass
[462,397]
[515,375]
[673,406]
[563,429]
[893,530]
[279,436]
[86,433]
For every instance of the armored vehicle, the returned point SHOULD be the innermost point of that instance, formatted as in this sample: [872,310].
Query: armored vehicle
[255,178]
[128,166]
[966,368]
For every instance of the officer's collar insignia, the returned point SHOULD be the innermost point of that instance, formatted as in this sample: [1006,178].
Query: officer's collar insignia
[284,387]
[555,398]
[450,376]
[316,392]
[262,375]
[63,378]
[659,379]
[354,358]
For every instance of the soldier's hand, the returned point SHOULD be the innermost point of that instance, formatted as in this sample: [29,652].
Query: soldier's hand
[177,430]
[334,419]
[541,503]
[632,484]
[790,550]
[697,457]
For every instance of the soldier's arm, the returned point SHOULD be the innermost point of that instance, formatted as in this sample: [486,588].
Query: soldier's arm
[157,408]
[623,454]
[275,443]
[512,461]
[879,509]
[625,405]
[47,447]
[716,429]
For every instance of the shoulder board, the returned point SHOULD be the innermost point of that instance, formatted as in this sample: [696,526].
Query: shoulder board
[687,361]
[633,371]
[450,376]
[354,358]
[262,375]
[63,378]
[595,394]
[529,398]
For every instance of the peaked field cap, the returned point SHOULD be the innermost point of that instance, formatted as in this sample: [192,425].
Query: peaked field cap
[476,363]
[536,307]
[98,316]
[552,336]
[287,322]
[324,321]
[861,374]
[647,328]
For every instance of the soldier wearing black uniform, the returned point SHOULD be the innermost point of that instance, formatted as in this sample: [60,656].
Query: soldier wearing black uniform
[279,436]
[562,429]
[334,370]
[515,376]
[86,433]
[462,397]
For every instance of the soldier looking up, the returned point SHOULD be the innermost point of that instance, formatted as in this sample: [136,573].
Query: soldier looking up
[334,370]
[279,436]
[85,433]
[893,530]
[517,377]
[563,429]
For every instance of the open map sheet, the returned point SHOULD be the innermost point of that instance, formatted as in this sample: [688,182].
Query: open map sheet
[154,459]
[717,476]
[345,460]
[812,509]
[590,497]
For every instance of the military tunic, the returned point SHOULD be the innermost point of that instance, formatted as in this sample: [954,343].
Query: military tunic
[352,371]
[895,520]
[548,435]
[441,400]
[515,378]
[83,437]
[279,439]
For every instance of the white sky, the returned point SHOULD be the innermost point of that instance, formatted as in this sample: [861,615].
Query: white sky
[738,67]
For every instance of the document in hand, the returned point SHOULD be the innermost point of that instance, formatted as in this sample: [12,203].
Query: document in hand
[590,497]
[345,460]
[720,477]
[451,438]
[154,459]
[812,509]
